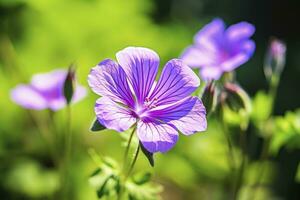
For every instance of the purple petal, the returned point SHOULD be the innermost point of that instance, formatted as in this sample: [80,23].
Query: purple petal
[80,93]
[209,36]
[176,82]
[187,115]
[49,81]
[57,103]
[197,56]
[194,121]
[140,65]
[240,31]
[109,79]
[211,73]
[112,115]
[245,52]
[157,137]
[28,98]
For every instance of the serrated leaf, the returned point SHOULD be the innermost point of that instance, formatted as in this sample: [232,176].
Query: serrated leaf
[96,126]
[102,190]
[96,172]
[147,191]
[148,154]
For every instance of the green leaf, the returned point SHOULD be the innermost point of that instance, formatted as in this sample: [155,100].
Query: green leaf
[147,191]
[262,107]
[148,154]
[96,126]
[141,178]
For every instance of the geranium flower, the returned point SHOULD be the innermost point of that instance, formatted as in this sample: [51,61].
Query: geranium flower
[130,95]
[45,91]
[216,50]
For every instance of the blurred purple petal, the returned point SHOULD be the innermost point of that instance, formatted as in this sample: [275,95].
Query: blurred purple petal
[210,34]
[109,79]
[157,137]
[211,73]
[28,98]
[46,91]
[176,82]
[217,50]
[198,56]
[240,31]
[48,81]
[113,115]
[246,50]
[140,65]
[80,93]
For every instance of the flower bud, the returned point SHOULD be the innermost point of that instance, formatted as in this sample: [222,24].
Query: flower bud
[275,58]
[236,97]
[209,97]
[69,84]
[235,105]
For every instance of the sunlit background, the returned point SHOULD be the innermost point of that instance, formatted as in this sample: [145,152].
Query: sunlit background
[42,35]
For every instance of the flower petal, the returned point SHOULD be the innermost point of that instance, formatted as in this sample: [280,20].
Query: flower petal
[109,79]
[49,81]
[245,52]
[112,115]
[28,97]
[209,36]
[140,65]
[240,31]
[197,56]
[211,73]
[57,103]
[194,121]
[80,93]
[187,115]
[176,82]
[157,137]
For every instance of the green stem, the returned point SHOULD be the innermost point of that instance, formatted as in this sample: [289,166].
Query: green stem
[240,176]
[127,148]
[45,135]
[133,162]
[68,150]
[231,159]
[125,158]
[262,159]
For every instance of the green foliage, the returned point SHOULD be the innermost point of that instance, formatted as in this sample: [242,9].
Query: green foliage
[29,178]
[109,182]
[143,190]
[286,132]
[262,107]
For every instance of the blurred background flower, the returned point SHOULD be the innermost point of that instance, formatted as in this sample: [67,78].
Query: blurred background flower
[45,91]
[217,50]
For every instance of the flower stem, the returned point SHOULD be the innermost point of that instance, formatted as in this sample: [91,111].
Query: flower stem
[133,162]
[240,175]
[68,150]
[127,148]
[231,158]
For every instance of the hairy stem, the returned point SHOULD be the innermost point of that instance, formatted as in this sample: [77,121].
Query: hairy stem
[133,162]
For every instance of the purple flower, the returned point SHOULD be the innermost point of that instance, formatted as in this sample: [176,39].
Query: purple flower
[217,50]
[45,91]
[131,95]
